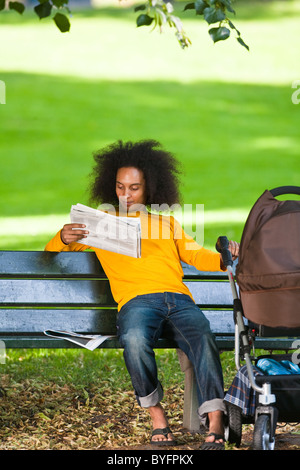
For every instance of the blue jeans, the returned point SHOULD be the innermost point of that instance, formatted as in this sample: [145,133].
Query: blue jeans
[143,320]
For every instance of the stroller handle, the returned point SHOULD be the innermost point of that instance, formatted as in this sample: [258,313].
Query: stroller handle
[285,190]
[222,247]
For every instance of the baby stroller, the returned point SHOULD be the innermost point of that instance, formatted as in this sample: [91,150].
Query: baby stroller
[268,304]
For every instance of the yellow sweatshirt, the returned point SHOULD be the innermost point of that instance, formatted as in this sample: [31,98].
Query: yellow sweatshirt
[164,244]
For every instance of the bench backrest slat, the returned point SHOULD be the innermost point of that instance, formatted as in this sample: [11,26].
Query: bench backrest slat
[90,321]
[101,321]
[85,292]
[49,264]
[31,292]
[41,264]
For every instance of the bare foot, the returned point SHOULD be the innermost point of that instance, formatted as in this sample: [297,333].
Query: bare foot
[216,427]
[159,421]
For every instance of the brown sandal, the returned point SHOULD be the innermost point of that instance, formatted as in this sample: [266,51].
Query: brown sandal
[164,432]
[214,445]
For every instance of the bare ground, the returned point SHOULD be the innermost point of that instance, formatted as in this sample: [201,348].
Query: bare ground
[35,416]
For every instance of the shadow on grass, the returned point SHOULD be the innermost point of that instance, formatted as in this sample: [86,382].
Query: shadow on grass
[234,140]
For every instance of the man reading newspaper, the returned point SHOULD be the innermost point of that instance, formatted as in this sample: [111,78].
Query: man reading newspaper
[152,298]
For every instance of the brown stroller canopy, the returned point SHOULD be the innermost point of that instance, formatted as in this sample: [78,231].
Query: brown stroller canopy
[268,271]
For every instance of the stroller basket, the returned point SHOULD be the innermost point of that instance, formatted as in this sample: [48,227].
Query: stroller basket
[287,392]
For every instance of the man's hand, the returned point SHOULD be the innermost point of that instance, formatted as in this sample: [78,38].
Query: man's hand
[69,233]
[234,249]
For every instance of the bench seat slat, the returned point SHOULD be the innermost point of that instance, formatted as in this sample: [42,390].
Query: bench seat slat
[27,342]
[224,343]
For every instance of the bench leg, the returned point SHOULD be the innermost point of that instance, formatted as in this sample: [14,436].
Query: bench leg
[190,417]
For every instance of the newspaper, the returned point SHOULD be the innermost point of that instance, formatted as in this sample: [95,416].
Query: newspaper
[90,342]
[118,234]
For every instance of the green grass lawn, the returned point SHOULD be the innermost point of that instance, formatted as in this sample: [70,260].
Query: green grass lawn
[226,113]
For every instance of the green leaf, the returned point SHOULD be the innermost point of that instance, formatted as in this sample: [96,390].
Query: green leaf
[219,34]
[60,3]
[43,416]
[2,4]
[226,3]
[144,20]
[17,6]
[200,6]
[62,22]
[43,10]
[239,39]
[212,15]
[140,7]
[233,27]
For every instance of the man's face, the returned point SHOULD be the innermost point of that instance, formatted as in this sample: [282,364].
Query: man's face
[130,188]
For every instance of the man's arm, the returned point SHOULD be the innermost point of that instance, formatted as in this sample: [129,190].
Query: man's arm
[67,239]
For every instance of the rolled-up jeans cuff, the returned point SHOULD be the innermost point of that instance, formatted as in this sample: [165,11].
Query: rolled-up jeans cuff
[153,398]
[217,404]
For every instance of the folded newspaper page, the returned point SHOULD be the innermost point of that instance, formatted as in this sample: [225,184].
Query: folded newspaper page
[118,234]
[90,342]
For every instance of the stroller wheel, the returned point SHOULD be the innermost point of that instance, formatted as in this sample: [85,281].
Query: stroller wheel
[233,425]
[262,438]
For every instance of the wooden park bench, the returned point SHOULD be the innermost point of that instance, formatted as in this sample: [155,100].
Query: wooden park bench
[69,291]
